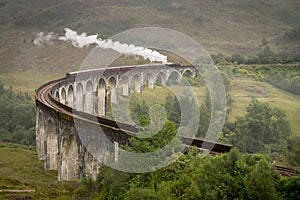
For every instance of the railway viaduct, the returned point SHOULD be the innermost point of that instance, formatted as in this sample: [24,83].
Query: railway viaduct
[84,97]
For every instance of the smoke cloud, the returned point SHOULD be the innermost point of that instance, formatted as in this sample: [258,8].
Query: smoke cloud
[84,40]
[42,39]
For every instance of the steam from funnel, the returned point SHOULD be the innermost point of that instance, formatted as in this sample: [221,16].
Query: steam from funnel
[83,40]
[42,39]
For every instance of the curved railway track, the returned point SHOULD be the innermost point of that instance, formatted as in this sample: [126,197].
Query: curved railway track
[44,97]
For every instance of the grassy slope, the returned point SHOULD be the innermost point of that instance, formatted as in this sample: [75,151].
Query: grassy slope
[244,89]
[21,170]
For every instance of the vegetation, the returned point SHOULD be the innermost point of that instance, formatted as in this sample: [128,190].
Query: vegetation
[229,176]
[266,56]
[294,150]
[285,77]
[288,82]
[17,117]
[259,81]
[139,113]
[21,170]
[263,129]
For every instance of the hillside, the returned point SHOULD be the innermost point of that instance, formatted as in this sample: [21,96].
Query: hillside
[244,89]
[21,170]
[220,26]
[225,27]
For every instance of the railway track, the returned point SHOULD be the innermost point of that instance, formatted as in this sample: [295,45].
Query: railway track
[286,171]
[43,96]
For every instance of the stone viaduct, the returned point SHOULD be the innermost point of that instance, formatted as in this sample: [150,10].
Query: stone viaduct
[84,96]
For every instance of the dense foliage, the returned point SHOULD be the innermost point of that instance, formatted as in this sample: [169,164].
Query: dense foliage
[263,129]
[284,77]
[265,56]
[228,176]
[262,126]
[17,117]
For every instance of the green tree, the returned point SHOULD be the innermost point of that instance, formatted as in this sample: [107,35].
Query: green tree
[294,86]
[173,109]
[289,188]
[139,110]
[205,115]
[156,142]
[261,181]
[228,176]
[264,42]
[17,117]
[1,89]
[294,150]
[260,126]
[267,56]
[238,58]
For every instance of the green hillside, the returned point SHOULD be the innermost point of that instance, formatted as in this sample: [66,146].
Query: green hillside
[244,89]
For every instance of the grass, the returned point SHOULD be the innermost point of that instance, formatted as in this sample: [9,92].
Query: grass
[21,170]
[159,94]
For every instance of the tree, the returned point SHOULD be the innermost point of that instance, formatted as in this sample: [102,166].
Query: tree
[264,42]
[139,110]
[156,142]
[260,182]
[238,58]
[260,126]
[289,188]
[294,150]
[1,89]
[205,115]
[173,109]
[267,56]
[228,176]
[295,85]
[17,117]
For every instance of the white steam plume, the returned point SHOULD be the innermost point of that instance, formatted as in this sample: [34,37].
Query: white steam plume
[83,40]
[42,39]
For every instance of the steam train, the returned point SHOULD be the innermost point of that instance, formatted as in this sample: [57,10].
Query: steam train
[119,69]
